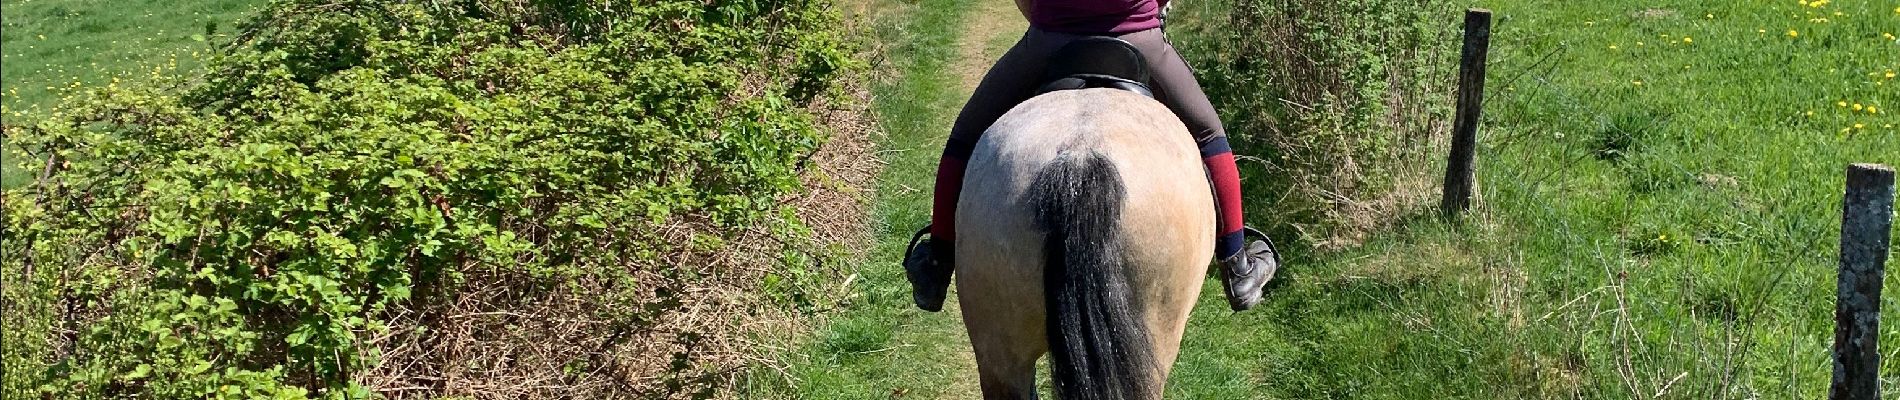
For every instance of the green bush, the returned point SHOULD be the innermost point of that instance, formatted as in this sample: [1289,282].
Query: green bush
[1341,99]
[250,231]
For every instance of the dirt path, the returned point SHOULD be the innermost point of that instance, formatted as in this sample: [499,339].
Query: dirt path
[989,32]
[882,347]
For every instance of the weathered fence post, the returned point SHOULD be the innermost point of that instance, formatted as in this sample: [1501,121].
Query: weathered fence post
[1464,132]
[1866,224]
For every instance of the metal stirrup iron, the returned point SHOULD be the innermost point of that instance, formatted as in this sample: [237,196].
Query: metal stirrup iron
[912,247]
[1250,231]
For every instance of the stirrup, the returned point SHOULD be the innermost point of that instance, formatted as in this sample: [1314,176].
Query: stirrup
[1250,231]
[914,238]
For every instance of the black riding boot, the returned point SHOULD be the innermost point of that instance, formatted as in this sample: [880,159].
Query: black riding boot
[1245,274]
[927,265]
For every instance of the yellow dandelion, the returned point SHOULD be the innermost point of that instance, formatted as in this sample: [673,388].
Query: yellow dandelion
[1889,74]
[1761,31]
[1873,110]
[1810,113]
[1688,40]
[1639,44]
[1888,35]
[1613,47]
[1794,33]
[1637,83]
[1857,107]
[1841,103]
[1804,2]
[1709,16]
[1860,126]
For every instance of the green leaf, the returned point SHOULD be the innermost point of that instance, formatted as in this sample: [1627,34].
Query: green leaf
[139,372]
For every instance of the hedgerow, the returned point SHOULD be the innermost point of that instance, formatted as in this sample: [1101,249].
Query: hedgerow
[1341,99]
[346,175]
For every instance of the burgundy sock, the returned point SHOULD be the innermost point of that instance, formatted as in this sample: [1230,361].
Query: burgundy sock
[1225,176]
[943,210]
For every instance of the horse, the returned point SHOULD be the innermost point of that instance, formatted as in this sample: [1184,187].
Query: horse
[1085,229]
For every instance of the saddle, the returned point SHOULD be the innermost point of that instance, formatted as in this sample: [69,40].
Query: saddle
[1097,62]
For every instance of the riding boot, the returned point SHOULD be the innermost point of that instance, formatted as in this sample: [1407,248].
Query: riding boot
[1244,275]
[927,265]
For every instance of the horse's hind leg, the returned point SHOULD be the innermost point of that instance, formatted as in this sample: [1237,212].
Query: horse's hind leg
[1007,371]
[1005,320]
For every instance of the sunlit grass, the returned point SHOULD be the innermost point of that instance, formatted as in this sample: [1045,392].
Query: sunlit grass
[1659,219]
[49,48]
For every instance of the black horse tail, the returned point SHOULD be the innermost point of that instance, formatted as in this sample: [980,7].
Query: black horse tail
[1098,344]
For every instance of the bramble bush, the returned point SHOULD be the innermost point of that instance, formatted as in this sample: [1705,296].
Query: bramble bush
[1342,100]
[255,229]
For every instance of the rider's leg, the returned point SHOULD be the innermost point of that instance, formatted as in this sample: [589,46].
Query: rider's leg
[1174,85]
[1013,79]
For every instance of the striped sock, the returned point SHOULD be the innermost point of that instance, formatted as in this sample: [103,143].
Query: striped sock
[1225,177]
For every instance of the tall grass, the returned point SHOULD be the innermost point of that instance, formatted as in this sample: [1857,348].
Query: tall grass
[1339,101]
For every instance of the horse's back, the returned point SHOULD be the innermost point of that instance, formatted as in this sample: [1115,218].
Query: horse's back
[1165,214]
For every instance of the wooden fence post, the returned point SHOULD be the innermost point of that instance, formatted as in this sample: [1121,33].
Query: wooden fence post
[1866,226]
[1464,133]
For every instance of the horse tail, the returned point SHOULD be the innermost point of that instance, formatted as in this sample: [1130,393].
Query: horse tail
[1098,343]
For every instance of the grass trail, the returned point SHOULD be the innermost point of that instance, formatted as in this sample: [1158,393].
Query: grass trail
[1658,219]
[881,346]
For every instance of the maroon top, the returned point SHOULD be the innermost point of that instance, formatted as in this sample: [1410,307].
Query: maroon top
[1090,17]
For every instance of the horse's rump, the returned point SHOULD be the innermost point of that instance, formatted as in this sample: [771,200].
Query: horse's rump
[1090,207]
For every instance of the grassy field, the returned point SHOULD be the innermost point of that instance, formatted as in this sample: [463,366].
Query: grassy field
[1659,219]
[53,46]
[1668,186]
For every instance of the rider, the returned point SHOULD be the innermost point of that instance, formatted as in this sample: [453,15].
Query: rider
[1015,77]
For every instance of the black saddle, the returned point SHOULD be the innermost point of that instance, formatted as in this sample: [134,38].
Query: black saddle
[1097,62]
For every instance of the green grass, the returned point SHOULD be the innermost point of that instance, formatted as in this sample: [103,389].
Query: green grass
[52,45]
[1672,239]
[1676,236]
[1700,207]
[881,345]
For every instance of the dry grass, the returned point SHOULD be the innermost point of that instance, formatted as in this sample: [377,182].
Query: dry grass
[698,318]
